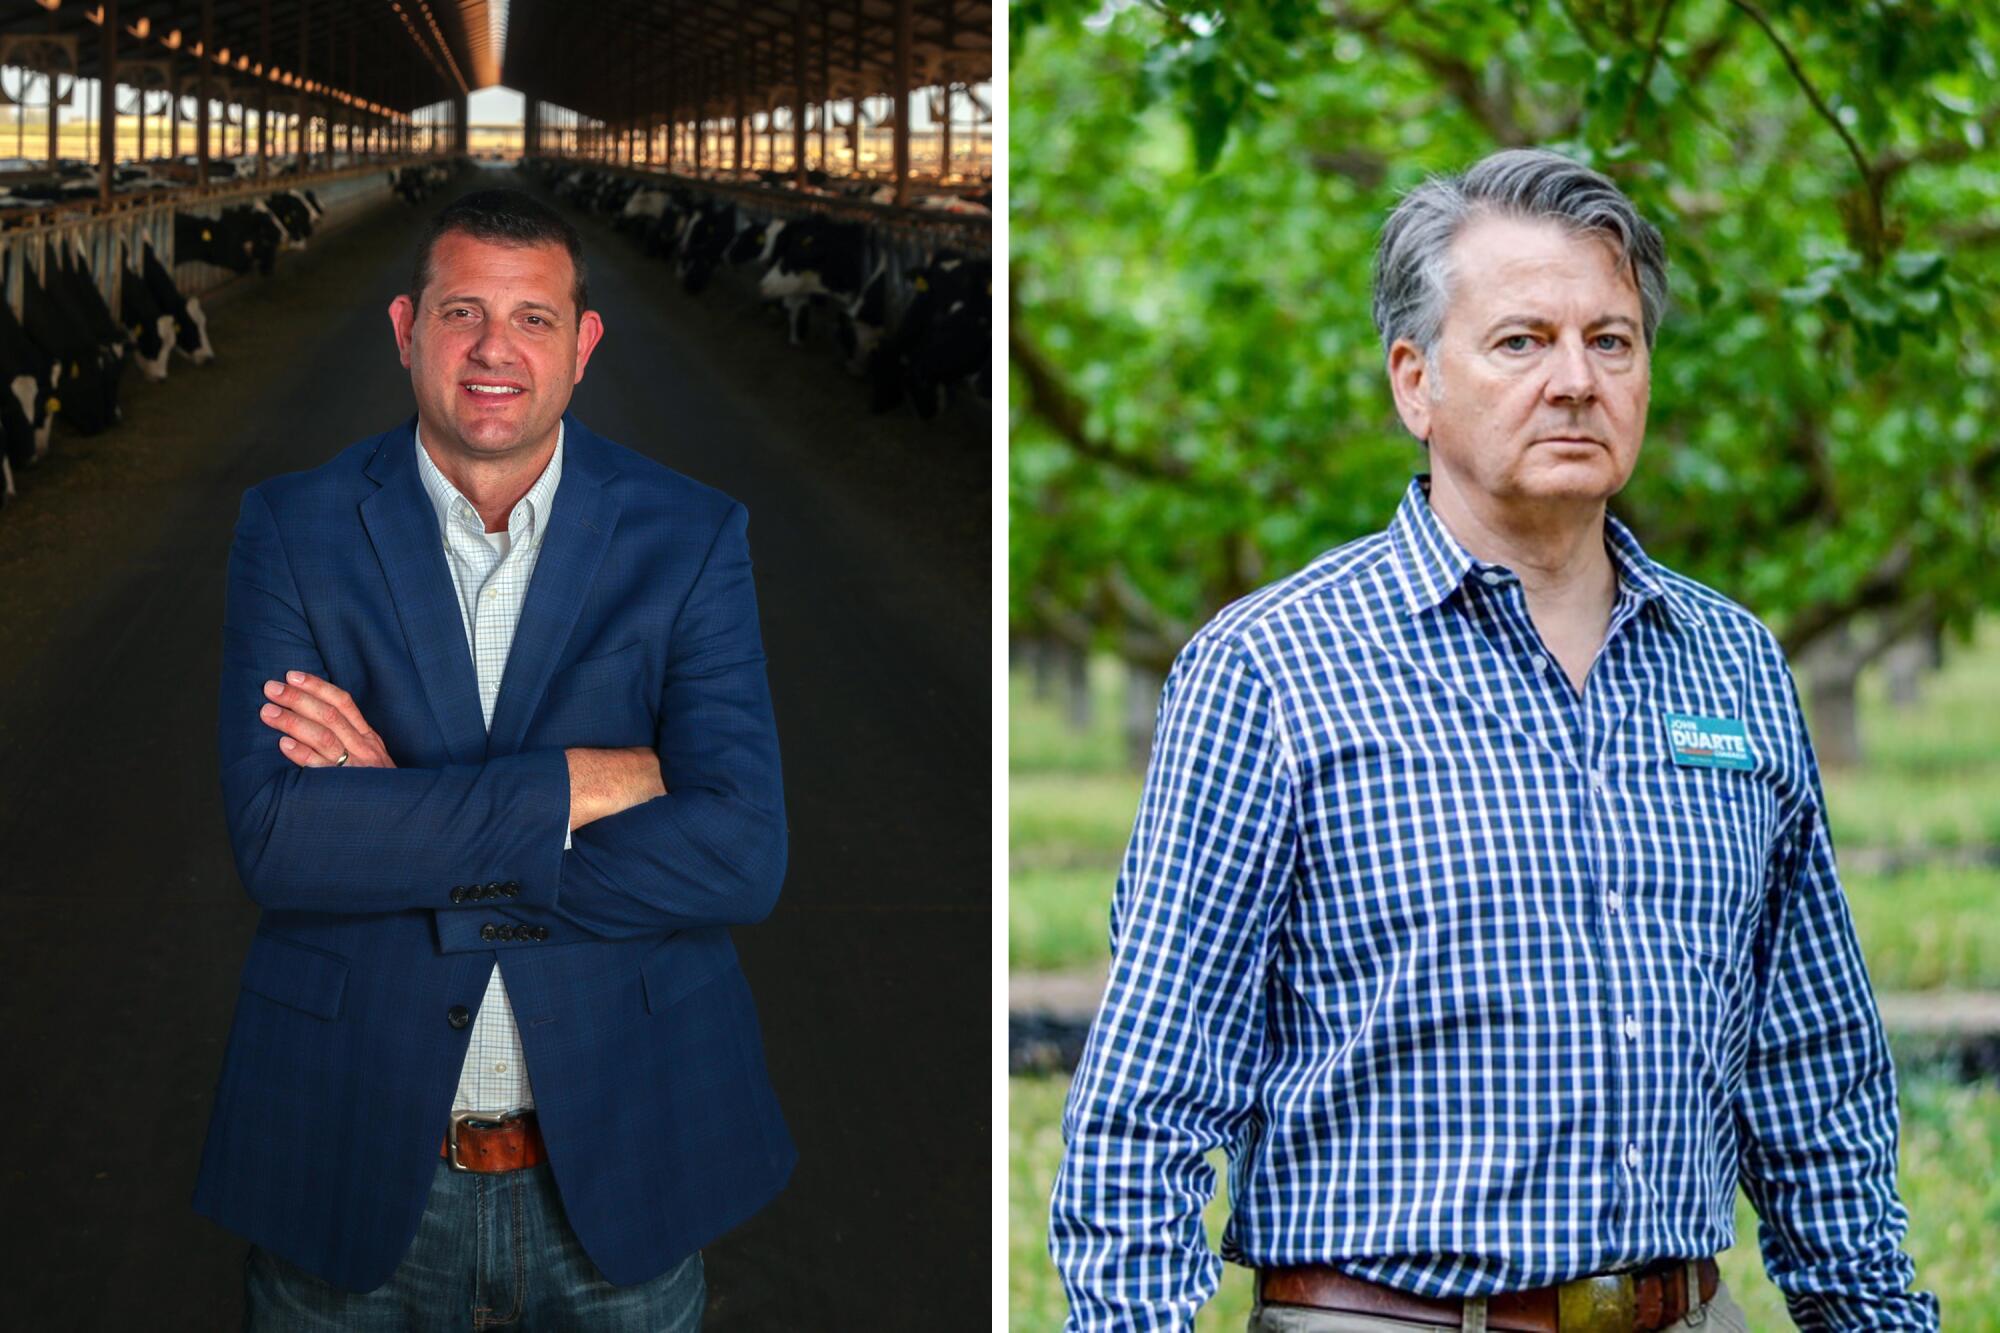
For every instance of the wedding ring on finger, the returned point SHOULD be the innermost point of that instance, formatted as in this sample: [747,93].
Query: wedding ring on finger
[343,759]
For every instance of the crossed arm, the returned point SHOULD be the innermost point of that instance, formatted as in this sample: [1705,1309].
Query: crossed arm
[684,833]
[320,722]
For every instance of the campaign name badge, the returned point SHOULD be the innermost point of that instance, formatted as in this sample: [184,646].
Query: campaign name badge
[1709,742]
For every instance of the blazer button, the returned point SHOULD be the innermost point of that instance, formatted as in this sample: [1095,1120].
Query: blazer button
[541,932]
[458,1016]
[458,893]
[493,890]
[506,933]
[489,931]
[511,888]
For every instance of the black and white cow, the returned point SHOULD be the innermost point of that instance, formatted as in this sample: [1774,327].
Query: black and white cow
[706,240]
[30,375]
[414,184]
[756,242]
[944,338]
[150,328]
[258,223]
[88,371]
[642,209]
[190,320]
[78,289]
[816,256]
[240,239]
[293,214]
[661,237]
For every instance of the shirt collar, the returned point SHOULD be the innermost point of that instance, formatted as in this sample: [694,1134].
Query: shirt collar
[1430,563]
[535,505]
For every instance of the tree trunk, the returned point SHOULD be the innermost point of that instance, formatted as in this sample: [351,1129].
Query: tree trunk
[1076,687]
[1906,663]
[1041,654]
[1836,728]
[1142,701]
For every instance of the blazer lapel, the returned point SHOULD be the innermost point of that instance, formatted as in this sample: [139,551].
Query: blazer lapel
[579,530]
[403,527]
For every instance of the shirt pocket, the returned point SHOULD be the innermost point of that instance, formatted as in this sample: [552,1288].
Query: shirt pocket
[1712,857]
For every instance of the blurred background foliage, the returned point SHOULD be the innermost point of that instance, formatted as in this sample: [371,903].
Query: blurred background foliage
[1198,407]
[1198,400]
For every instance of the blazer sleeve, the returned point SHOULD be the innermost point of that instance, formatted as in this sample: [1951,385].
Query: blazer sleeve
[371,839]
[712,850]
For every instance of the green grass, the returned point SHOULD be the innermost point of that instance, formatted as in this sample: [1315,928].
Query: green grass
[1040,739]
[1949,1179]
[1929,929]
[1932,771]
[1889,806]
[1068,830]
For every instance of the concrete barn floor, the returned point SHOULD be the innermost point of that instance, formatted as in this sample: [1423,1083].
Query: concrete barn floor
[871,539]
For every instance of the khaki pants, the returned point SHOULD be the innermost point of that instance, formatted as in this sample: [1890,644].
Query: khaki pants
[1721,1315]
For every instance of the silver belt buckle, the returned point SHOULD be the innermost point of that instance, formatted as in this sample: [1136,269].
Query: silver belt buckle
[478,1120]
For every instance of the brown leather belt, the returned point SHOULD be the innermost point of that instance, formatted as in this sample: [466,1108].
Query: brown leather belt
[486,1143]
[1652,1298]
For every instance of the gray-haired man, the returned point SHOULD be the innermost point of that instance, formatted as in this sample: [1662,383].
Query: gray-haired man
[1480,901]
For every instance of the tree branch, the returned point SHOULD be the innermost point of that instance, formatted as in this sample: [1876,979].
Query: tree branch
[1051,402]
[1870,183]
[1892,164]
[1646,74]
[1462,79]
[1980,231]
[1884,586]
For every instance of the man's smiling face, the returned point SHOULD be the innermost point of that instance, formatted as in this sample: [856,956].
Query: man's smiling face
[1538,387]
[494,344]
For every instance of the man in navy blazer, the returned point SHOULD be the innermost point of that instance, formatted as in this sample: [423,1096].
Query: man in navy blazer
[524,830]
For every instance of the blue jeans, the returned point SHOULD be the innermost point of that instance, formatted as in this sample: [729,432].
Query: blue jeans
[492,1251]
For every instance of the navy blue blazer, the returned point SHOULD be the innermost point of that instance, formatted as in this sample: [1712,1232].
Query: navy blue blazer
[640,628]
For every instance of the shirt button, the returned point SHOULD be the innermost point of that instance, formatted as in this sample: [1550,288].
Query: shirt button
[1631,1028]
[500,1068]
[1632,1155]
[1597,779]
[1492,576]
[1539,663]
[489,592]
[1613,900]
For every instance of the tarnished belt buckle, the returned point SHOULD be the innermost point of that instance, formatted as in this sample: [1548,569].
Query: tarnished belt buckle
[474,1119]
[1607,1304]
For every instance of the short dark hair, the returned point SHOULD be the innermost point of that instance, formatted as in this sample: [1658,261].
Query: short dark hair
[506,217]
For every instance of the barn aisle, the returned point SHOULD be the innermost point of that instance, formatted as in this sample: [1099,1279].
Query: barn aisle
[870,537]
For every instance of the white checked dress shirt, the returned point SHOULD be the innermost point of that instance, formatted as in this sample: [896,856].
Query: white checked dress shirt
[490,572]
[1484,982]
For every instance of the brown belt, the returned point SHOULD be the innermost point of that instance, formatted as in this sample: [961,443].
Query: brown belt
[1652,1298]
[507,1143]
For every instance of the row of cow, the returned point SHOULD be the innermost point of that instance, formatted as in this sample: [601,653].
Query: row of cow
[247,236]
[76,182]
[67,353]
[415,183]
[915,332]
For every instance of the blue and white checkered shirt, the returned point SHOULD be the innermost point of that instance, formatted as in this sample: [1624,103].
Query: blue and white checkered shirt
[1484,983]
